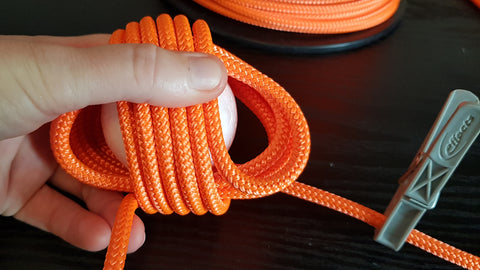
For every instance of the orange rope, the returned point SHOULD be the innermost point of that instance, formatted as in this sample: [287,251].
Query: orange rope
[307,16]
[168,150]
[476,2]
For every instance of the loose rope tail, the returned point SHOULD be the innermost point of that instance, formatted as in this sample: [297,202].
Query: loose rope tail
[168,149]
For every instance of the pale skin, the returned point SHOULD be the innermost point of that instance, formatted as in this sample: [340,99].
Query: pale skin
[43,77]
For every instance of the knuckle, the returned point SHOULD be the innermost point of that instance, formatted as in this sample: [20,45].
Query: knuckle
[145,64]
[7,207]
[46,80]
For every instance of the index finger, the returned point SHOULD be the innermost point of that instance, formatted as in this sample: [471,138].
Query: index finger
[73,41]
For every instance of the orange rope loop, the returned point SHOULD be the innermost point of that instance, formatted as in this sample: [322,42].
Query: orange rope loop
[168,149]
[307,16]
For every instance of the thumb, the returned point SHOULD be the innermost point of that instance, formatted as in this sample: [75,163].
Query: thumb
[40,81]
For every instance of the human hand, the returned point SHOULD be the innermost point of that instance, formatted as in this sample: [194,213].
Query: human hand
[43,77]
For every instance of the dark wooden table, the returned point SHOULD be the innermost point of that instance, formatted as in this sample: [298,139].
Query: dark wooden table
[369,110]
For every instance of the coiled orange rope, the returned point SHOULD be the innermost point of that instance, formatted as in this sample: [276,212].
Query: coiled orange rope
[168,150]
[307,16]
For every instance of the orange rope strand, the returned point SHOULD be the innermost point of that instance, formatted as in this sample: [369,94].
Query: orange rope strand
[476,2]
[117,250]
[168,150]
[307,16]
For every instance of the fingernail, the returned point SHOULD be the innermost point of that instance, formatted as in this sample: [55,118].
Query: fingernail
[205,73]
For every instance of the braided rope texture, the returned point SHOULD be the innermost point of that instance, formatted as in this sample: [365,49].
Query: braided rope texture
[169,150]
[307,16]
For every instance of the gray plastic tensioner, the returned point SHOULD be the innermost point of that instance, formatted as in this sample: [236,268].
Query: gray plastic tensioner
[454,131]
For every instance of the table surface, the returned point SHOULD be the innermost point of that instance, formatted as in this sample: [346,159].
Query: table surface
[368,109]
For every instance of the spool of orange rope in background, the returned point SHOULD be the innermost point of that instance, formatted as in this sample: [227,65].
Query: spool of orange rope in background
[168,150]
[299,26]
[307,16]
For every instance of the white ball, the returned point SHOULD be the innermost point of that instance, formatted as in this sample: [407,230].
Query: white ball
[113,134]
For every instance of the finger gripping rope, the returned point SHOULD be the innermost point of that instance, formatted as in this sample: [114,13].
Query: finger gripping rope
[168,149]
